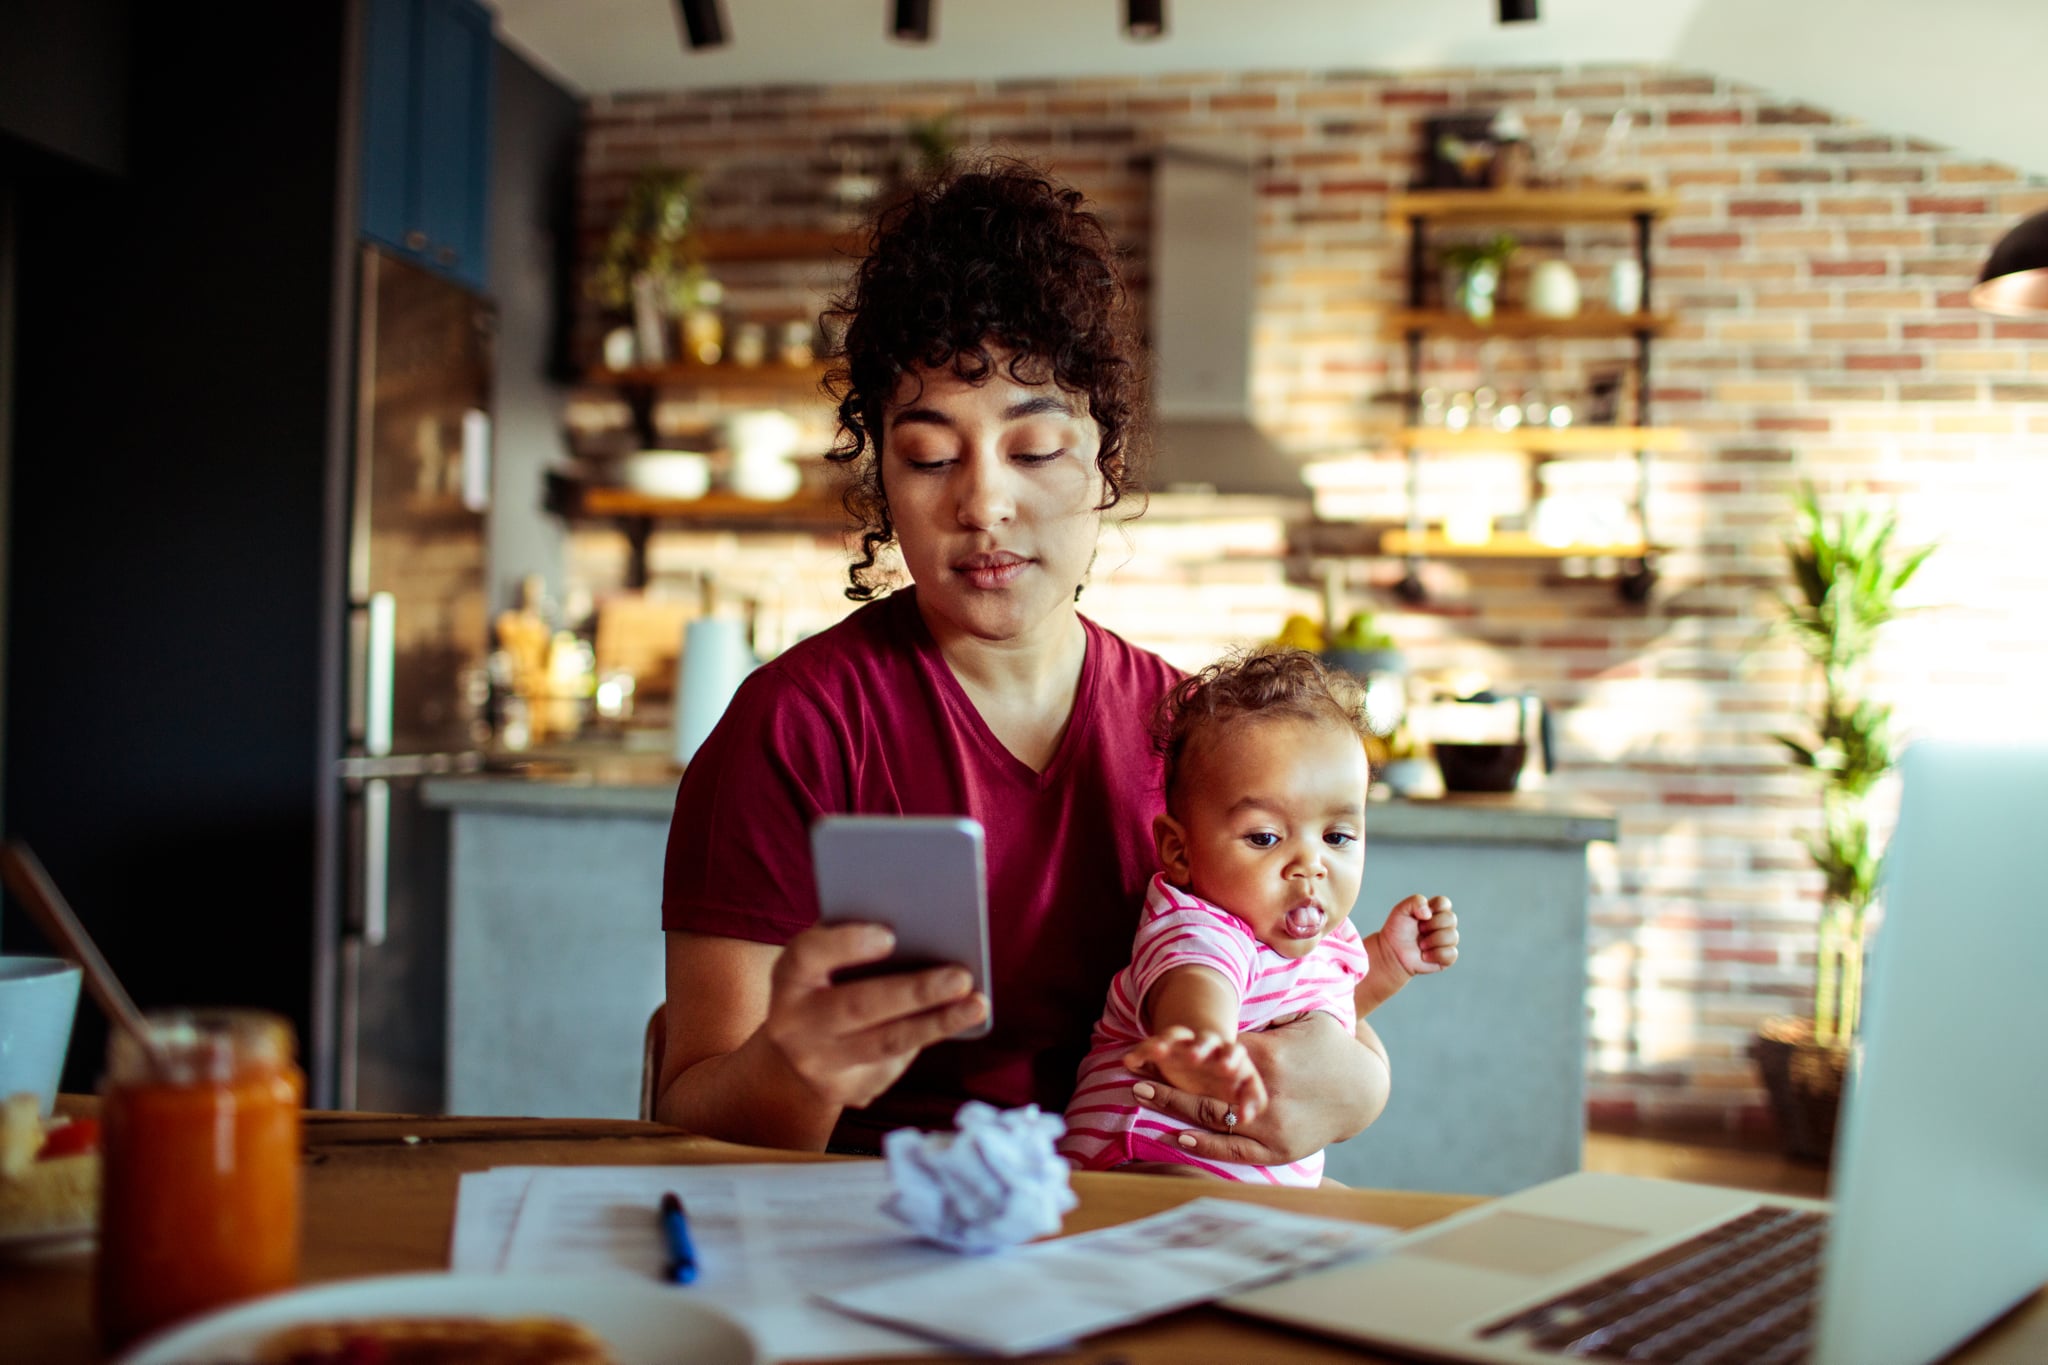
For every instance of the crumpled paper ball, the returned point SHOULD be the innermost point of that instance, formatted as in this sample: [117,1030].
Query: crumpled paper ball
[994,1183]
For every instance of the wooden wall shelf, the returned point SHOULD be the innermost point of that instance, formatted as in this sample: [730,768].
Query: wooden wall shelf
[1501,545]
[1580,440]
[786,381]
[1530,205]
[779,244]
[1593,322]
[636,515]
[713,511]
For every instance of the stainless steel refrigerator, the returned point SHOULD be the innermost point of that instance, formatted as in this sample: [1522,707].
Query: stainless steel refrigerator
[417,642]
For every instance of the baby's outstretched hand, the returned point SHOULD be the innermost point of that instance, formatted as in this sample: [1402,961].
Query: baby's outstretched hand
[1422,934]
[1203,1064]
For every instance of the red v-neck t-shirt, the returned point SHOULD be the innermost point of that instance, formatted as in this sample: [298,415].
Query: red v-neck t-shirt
[866,718]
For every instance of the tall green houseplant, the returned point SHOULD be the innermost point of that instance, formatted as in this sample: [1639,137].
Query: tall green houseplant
[1846,577]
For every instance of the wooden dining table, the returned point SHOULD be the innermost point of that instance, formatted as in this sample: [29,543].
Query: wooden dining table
[380,1193]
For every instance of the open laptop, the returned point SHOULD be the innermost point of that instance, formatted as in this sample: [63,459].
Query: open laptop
[1940,1212]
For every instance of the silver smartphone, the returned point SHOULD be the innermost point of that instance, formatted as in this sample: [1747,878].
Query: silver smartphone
[922,875]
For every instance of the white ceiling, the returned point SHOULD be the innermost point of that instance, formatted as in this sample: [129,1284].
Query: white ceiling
[1962,72]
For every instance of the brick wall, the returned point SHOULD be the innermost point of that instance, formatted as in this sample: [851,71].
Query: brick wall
[1818,268]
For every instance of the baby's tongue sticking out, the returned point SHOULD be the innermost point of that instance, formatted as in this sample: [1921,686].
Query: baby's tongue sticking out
[1304,921]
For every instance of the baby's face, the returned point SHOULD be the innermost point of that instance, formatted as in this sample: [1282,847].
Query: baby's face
[1273,827]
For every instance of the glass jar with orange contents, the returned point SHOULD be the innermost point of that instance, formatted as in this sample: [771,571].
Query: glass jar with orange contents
[200,1142]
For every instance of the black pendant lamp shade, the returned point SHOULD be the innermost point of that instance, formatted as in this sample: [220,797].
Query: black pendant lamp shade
[2015,280]
[703,22]
[1145,18]
[1517,11]
[911,20]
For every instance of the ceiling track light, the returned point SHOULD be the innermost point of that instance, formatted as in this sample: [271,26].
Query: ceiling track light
[912,21]
[1518,11]
[703,22]
[1145,18]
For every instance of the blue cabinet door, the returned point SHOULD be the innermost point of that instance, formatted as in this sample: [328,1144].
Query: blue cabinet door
[390,43]
[457,60]
[429,68]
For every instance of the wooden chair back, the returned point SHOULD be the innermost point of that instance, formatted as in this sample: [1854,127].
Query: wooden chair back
[651,1051]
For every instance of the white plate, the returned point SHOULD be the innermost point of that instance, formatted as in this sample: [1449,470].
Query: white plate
[644,1324]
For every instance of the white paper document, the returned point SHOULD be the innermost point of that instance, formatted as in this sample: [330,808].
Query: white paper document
[767,1237]
[804,1256]
[1049,1294]
[486,1206]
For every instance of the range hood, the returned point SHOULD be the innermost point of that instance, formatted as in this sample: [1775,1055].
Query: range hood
[1204,277]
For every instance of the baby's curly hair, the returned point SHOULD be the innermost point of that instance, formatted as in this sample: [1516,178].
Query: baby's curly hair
[1262,682]
[992,257]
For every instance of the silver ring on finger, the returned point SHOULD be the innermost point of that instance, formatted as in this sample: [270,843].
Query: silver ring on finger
[1230,1118]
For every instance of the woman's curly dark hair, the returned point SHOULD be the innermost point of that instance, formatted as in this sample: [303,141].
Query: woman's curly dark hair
[1262,682]
[995,257]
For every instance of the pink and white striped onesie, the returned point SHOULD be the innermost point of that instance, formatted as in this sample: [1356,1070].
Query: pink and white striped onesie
[1105,1125]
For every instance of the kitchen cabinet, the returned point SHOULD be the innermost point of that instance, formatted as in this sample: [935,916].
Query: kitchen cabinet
[428,71]
[1420,212]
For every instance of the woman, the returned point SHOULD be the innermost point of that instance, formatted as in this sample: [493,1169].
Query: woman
[986,401]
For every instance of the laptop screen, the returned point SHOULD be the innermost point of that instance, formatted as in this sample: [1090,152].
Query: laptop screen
[1941,1157]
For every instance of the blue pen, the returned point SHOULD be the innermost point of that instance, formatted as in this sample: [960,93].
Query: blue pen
[682,1257]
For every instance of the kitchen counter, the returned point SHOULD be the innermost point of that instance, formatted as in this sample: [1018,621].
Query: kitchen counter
[645,785]
[556,959]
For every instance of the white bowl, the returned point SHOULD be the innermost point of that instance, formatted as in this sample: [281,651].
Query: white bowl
[667,473]
[765,480]
[38,1000]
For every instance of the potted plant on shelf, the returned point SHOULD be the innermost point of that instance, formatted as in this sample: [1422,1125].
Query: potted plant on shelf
[1846,576]
[1472,274]
[648,269]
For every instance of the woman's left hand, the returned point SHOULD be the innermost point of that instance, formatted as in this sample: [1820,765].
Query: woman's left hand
[1324,1085]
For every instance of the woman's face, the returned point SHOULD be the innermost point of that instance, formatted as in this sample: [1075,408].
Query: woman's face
[994,494]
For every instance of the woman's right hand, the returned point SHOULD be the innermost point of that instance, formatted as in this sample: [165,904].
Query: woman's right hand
[849,1041]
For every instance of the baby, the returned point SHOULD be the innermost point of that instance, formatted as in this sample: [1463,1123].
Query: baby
[1263,846]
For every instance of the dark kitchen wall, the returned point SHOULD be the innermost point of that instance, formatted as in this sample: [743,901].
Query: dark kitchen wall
[533,237]
[175,341]
[63,99]
[63,78]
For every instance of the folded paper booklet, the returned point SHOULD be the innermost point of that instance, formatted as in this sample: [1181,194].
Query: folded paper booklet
[1050,1294]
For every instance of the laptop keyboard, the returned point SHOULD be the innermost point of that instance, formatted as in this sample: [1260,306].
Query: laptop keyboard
[1740,1293]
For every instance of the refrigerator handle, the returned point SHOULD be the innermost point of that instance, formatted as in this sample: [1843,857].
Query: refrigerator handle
[380,663]
[476,460]
[376,862]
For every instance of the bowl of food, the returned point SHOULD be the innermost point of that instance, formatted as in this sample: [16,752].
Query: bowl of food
[49,1177]
[459,1319]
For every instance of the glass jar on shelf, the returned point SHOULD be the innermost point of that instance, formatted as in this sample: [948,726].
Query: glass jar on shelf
[1485,403]
[704,326]
[1431,412]
[749,344]
[794,348]
[1458,414]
